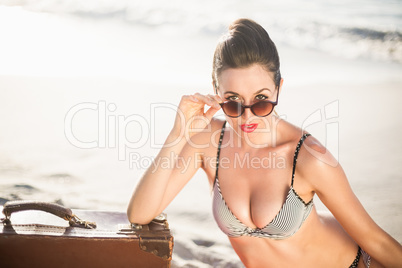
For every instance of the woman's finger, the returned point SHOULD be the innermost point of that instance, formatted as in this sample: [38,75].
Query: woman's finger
[216,99]
[214,102]
[206,99]
[193,98]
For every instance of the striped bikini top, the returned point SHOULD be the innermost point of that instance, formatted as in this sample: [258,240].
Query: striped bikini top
[286,223]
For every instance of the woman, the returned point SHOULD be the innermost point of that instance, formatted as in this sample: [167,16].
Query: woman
[266,210]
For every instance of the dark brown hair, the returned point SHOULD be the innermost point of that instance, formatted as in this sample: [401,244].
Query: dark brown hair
[245,44]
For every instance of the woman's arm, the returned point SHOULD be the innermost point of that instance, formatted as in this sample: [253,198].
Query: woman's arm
[332,187]
[167,175]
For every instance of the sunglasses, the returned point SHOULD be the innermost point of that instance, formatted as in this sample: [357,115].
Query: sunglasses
[261,108]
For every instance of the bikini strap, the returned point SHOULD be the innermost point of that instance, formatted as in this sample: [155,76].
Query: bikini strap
[297,153]
[219,150]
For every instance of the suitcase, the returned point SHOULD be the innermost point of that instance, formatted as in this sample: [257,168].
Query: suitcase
[32,236]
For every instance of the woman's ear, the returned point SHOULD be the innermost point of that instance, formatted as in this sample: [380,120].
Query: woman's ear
[280,85]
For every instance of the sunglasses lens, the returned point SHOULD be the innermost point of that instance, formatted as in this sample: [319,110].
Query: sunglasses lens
[262,108]
[232,108]
[235,109]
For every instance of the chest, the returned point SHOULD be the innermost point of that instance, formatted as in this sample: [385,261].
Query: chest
[254,185]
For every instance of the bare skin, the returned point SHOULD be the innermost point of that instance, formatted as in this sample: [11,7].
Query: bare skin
[256,194]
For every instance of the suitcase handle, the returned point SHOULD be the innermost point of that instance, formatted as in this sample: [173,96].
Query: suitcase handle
[55,209]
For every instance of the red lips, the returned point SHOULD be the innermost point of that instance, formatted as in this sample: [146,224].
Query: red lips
[248,127]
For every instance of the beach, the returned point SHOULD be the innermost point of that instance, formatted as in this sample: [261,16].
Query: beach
[86,103]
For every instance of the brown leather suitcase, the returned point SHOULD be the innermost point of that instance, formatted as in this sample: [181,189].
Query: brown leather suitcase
[31,236]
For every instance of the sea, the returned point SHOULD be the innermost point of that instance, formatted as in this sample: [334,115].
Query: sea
[89,90]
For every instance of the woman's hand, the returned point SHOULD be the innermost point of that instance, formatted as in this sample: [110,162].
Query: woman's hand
[162,182]
[190,117]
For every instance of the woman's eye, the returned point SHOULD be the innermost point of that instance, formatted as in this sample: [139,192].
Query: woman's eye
[261,97]
[232,98]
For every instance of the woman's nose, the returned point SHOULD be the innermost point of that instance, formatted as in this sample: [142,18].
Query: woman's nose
[247,114]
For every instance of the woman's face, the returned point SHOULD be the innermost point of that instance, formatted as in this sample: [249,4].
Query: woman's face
[248,85]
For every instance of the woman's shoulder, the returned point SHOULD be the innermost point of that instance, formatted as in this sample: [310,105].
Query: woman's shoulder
[294,134]
[315,165]
[314,161]
[312,154]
